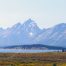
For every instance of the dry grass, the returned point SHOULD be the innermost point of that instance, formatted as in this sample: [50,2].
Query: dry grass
[33,59]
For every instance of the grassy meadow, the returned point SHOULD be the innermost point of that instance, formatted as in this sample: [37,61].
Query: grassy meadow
[33,59]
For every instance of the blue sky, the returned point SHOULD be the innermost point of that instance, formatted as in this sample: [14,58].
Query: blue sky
[46,13]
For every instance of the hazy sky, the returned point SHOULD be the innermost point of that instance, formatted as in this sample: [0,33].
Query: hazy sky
[46,13]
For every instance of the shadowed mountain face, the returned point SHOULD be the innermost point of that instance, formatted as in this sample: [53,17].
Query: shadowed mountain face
[29,33]
[55,36]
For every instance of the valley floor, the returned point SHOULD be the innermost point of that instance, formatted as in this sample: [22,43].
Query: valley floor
[33,59]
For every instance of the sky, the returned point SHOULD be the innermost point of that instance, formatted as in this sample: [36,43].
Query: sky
[46,13]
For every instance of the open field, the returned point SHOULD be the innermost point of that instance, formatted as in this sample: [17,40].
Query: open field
[33,59]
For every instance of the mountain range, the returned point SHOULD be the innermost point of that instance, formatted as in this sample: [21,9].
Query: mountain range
[29,33]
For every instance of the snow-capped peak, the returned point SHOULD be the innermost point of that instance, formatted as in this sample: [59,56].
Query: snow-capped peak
[31,27]
[30,23]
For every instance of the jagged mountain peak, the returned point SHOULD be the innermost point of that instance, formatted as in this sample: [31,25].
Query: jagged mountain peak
[30,22]
[17,25]
[30,27]
[27,24]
